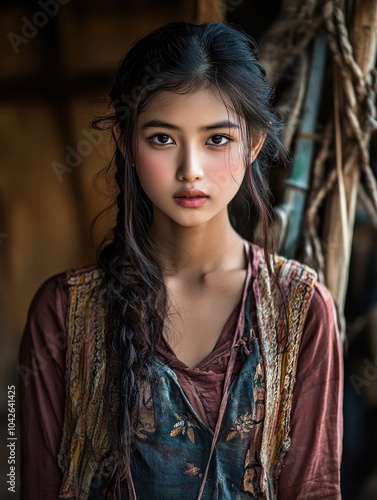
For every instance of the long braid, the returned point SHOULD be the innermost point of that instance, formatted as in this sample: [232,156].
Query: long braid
[121,351]
[134,327]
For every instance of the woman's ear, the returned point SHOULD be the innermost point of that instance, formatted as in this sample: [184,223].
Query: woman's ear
[256,146]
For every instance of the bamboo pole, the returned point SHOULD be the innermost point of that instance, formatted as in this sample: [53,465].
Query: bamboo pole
[297,184]
[343,201]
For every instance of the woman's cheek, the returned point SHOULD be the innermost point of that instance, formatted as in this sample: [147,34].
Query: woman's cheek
[228,173]
[152,168]
[237,164]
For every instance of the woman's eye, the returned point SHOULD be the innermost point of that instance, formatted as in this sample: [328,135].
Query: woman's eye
[161,139]
[218,140]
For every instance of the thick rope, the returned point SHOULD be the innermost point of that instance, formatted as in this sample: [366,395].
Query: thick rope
[359,97]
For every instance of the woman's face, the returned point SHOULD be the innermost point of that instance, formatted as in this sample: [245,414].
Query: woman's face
[189,157]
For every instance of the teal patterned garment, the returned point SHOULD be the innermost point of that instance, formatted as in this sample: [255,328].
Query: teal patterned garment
[174,456]
[173,445]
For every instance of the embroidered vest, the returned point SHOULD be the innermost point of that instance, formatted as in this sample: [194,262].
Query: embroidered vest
[281,311]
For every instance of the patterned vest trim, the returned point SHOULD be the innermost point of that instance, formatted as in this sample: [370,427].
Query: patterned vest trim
[84,439]
[281,315]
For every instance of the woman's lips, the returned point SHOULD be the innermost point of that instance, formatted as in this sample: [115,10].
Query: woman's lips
[190,198]
[198,201]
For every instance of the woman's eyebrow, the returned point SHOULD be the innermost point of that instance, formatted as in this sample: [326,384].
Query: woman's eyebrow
[222,124]
[212,126]
[159,124]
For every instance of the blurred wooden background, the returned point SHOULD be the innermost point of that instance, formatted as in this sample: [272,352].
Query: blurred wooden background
[58,60]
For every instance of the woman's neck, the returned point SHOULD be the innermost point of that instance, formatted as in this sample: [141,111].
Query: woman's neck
[197,251]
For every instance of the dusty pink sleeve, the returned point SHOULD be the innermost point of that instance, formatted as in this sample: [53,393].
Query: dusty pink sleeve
[311,468]
[41,371]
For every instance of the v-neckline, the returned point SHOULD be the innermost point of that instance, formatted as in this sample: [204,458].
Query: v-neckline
[165,348]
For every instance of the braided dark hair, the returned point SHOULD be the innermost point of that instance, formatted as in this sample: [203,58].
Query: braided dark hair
[179,57]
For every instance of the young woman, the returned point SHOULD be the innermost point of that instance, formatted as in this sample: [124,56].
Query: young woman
[189,363]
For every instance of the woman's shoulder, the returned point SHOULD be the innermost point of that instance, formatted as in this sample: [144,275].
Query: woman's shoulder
[321,318]
[289,272]
[59,284]
[276,259]
[322,308]
[49,296]
[90,275]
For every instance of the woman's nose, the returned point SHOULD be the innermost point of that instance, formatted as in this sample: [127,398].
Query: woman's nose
[190,166]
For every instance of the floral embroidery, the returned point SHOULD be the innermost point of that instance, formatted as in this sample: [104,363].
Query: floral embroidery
[192,470]
[185,425]
[242,426]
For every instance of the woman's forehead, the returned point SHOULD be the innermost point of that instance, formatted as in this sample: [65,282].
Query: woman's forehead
[200,106]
